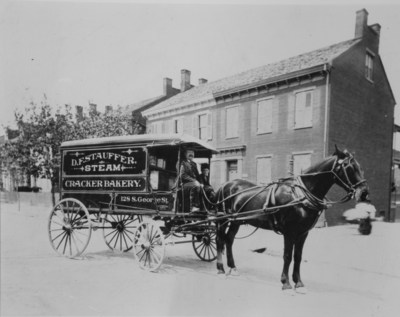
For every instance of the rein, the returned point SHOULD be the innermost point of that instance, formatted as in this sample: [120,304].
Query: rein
[236,194]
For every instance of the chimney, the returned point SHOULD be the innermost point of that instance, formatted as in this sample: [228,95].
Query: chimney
[92,108]
[377,28]
[202,81]
[361,22]
[79,113]
[185,80]
[167,85]
[108,110]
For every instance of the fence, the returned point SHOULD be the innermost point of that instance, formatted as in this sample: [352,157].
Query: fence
[28,198]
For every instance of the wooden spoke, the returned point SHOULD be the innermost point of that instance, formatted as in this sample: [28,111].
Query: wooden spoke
[69,227]
[149,246]
[204,246]
[118,231]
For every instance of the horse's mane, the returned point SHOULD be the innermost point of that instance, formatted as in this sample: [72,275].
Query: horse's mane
[320,166]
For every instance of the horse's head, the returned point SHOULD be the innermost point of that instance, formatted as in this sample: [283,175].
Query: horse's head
[349,175]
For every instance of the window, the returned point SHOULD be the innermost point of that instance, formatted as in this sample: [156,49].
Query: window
[178,126]
[264,116]
[369,65]
[232,122]
[301,162]
[232,169]
[203,127]
[263,170]
[303,109]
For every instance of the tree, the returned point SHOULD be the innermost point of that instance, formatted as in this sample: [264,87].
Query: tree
[36,151]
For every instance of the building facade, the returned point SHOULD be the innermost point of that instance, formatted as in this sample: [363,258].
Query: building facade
[276,120]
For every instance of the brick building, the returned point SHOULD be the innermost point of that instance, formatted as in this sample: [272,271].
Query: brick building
[135,110]
[278,119]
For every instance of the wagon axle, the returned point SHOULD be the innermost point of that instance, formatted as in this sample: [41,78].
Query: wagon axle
[119,226]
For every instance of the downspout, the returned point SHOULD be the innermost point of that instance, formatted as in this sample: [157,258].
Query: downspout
[327,99]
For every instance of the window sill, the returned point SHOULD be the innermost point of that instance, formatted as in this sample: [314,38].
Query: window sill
[263,133]
[231,137]
[302,128]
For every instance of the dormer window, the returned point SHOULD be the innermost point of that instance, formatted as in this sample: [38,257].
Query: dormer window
[369,66]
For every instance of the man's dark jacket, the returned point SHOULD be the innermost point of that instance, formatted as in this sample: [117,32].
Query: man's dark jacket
[188,172]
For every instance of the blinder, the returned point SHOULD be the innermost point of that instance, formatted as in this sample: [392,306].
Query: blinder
[343,165]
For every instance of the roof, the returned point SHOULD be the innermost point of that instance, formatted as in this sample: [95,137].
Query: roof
[138,105]
[250,77]
[144,140]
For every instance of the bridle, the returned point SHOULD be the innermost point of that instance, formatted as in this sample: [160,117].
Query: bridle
[343,165]
[338,165]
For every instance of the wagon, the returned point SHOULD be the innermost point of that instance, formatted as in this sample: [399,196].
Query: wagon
[128,188]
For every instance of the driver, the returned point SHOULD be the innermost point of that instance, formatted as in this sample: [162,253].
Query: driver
[190,178]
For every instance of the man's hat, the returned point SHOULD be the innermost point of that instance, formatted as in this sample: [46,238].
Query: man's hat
[185,149]
[205,165]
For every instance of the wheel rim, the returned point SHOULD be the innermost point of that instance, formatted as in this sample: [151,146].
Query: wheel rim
[149,246]
[69,228]
[119,231]
[205,247]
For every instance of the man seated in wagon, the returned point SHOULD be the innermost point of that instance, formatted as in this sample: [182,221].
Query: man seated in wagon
[205,181]
[190,179]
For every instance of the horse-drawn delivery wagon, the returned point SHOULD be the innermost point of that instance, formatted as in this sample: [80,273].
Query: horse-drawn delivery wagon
[123,185]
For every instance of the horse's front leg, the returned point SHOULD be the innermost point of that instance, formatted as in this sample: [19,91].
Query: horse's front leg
[298,251]
[230,238]
[287,259]
[220,241]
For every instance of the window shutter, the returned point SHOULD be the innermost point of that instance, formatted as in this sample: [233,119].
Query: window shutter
[264,116]
[303,109]
[291,107]
[180,126]
[308,109]
[263,169]
[232,122]
[301,162]
[171,126]
[209,127]
[195,125]
[299,110]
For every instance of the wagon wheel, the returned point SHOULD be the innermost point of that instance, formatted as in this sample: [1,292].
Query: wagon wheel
[205,247]
[149,245]
[69,227]
[119,234]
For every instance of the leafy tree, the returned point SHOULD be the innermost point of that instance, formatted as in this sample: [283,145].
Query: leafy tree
[42,130]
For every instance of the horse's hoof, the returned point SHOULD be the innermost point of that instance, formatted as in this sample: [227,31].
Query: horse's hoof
[289,291]
[301,290]
[234,272]
[221,272]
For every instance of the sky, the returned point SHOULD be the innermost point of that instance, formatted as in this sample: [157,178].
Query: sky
[117,53]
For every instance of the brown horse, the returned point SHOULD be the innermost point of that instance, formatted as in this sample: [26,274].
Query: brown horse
[290,207]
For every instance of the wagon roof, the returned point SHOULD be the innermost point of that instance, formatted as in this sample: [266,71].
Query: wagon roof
[144,140]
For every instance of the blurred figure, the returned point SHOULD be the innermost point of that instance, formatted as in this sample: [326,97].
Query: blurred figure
[205,181]
[363,213]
